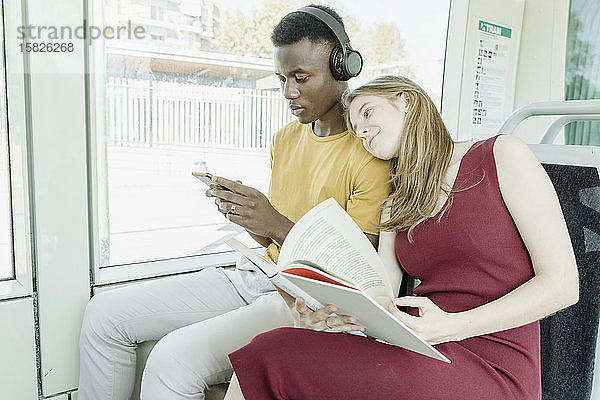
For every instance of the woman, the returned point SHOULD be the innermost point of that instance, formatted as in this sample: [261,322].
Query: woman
[479,224]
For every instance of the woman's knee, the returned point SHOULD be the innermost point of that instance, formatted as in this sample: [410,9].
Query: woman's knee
[280,336]
[274,344]
[269,355]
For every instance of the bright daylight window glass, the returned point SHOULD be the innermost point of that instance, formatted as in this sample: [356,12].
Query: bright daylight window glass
[198,93]
[582,77]
[6,243]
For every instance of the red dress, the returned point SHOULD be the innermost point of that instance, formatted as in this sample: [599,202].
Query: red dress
[471,257]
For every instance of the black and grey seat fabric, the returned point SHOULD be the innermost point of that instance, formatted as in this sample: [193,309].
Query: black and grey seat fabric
[569,337]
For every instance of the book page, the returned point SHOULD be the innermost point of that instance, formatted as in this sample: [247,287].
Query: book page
[327,237]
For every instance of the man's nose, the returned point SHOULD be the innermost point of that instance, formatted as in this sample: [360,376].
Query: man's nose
[290,90]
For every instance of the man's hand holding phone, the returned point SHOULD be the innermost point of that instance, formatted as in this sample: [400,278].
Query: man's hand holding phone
[248,208]
[206,178]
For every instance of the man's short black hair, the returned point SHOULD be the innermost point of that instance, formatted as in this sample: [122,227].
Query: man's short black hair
[299,25]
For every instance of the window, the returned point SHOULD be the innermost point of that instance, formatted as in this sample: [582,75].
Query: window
[6,242]
[582,70]
[157,13]
[189,42]
[162,114]
[157,37]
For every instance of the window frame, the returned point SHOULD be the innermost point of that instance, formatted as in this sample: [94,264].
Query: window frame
[19,143]
[114,273]
[4,127]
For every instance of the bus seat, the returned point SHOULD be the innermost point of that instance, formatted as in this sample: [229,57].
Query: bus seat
[569,337]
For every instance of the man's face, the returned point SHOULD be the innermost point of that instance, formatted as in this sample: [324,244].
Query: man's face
[306,82]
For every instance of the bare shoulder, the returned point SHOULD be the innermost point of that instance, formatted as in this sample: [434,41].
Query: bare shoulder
[510,146]
[513,154]
[516,165]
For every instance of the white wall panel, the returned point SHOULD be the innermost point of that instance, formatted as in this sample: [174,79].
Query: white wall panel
[17,350]
[59,140]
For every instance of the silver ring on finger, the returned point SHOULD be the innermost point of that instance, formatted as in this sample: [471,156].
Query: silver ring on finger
[327,323]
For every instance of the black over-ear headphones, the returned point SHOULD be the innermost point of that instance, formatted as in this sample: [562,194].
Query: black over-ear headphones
[344,61]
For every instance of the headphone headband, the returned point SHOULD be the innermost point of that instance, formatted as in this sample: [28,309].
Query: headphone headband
[332,23]
[344,62]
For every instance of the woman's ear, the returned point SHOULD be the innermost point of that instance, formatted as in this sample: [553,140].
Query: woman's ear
[403,101]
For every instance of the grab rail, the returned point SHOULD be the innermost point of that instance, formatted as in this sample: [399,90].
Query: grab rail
[554,127]
[550,108]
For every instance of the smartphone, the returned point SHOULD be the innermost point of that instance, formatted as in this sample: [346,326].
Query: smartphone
[206,178]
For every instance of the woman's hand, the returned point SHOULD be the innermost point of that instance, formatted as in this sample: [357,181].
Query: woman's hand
[321,320]
[433,324]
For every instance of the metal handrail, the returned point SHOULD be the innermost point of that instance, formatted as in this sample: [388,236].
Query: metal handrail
[554,127]
[565,107]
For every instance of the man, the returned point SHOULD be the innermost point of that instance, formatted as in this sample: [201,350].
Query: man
[200,318]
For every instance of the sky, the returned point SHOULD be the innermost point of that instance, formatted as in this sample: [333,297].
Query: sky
[423,25]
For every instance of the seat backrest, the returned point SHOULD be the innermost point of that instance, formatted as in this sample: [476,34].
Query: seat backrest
[569,337]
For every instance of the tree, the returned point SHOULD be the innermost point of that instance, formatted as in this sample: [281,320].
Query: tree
[251,36]
[388,45]
[382,46]
[384,50]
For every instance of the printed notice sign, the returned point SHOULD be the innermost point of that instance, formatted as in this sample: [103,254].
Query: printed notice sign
[491,71]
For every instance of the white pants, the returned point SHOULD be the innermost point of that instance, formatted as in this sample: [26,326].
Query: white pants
[198,319]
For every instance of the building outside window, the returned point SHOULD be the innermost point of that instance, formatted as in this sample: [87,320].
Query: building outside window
[189,42]
[157,37]
[157,13]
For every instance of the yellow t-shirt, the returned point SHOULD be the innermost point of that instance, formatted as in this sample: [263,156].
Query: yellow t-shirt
[307,169]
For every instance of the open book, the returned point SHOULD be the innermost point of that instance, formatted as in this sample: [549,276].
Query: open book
[327,259]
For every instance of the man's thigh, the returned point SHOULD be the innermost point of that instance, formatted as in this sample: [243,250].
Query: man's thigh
[204,347]
[150,310]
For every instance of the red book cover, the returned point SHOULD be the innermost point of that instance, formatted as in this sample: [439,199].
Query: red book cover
[307,273]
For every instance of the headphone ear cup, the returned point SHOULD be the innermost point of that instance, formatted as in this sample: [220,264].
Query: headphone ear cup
[352,64]
[336,64]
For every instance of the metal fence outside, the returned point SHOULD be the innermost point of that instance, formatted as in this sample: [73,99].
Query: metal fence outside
[157,113]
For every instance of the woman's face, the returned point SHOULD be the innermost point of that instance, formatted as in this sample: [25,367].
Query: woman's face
[379,122]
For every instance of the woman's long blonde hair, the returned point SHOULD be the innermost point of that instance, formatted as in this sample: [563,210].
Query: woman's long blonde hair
[423,155]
